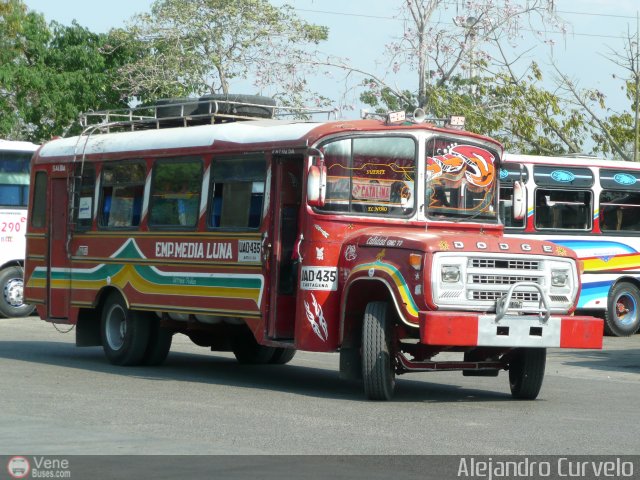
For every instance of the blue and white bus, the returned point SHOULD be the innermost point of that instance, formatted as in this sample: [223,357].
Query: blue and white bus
[15,161]
[591,206]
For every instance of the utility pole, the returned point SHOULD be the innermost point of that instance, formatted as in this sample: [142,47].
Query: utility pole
[636,72]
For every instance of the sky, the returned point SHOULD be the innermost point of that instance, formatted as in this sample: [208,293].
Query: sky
[360,29]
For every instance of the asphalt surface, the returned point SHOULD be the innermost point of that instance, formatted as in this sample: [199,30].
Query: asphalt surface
[58,399]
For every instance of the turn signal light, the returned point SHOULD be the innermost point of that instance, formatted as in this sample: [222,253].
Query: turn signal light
[415,260]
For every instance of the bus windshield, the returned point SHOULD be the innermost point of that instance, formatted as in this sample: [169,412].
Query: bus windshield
[460,180]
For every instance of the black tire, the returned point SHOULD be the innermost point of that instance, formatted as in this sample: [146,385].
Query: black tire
[526,372]
[160,339]
[622,318]
[11,293]
[282,356]
[229,107]
[124,332]
[249,352]
[378,356]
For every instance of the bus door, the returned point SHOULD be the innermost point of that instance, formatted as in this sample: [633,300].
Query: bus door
[286,200]
[59,280]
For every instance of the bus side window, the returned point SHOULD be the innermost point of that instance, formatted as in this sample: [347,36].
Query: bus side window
[175,192]
[14,178]
[619,211]
[84,197]
[563,209]
[237,193]
[506,208]
[122,192]
[39,209]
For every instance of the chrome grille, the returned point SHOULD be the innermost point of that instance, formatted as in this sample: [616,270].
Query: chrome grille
[502,279]
[509,264]
[485,278]
[493,296]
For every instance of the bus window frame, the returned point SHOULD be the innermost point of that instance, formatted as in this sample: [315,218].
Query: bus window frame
[212,191]
[616,231]
[23,158]
[411,209]
[78,226]
[110,164]
[588,190]
[38,217]
[152,201]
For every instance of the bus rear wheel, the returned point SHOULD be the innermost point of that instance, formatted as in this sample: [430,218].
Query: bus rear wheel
[160,339]
[12,289]
[378,368]
[526,372]
[125,333]
[623,311]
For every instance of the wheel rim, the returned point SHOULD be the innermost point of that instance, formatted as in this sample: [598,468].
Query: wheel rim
[13,292]
[116,327]
[626,310]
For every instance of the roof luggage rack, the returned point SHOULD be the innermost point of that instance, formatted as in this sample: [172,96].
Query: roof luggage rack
[184,112]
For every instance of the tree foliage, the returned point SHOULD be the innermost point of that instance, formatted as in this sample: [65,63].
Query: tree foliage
[462,67]
[51,73]
[198,47]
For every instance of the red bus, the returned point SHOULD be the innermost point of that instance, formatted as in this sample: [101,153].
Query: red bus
[375,238]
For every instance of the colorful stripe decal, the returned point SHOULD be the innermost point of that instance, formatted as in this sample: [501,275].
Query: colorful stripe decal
[398,280]
[603,255]
[151,280]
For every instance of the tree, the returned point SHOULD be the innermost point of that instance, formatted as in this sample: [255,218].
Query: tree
[198,47]
[459,55]
[49,74]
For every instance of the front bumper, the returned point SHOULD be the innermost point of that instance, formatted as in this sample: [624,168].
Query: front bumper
[481,330]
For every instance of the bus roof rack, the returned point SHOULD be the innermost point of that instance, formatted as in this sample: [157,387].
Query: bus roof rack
[184,112]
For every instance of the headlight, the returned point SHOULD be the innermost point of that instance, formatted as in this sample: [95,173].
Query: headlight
[450,273]
[559,278]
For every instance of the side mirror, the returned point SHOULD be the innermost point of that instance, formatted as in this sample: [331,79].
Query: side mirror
[519,200]
[316,185]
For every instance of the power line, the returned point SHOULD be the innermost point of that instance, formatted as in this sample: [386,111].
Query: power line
[626,17]
[589,35]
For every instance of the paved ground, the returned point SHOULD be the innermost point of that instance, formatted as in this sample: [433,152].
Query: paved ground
[60,399]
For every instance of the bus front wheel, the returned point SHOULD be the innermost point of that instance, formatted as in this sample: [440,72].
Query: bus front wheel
[623,311]
[526,372]
[378,367]
[125,333]
[249,352]
[12,288]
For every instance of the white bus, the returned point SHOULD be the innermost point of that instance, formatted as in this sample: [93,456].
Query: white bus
[591,206]
[15,160]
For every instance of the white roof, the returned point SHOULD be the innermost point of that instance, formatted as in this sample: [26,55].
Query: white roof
[578,161]
[16,146]
[181,137]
